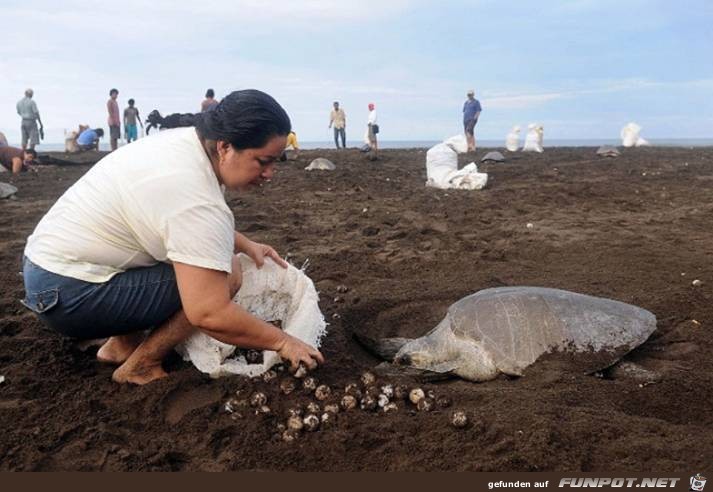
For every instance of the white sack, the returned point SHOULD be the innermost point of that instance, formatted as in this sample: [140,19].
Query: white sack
[534,138]
[442,167]
[512,141]
[70,142]
[270,293]
[630,136]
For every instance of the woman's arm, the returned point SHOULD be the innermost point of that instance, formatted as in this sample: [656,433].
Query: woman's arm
[257,251]
[207,303]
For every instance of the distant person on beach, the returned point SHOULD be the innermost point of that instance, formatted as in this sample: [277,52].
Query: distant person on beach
[27,109]
[114,121]
[17,160]
[210,102]
[111,259]
[292,148]
[471,112]
[89,139]
[372,131]
[131,116]
[3,140]
[338,119]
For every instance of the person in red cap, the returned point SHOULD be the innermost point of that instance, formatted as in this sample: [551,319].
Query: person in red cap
[372,132]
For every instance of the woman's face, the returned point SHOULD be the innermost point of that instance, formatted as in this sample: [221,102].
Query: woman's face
[239,169]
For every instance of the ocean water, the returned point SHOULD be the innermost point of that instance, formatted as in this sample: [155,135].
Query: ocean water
[425,144]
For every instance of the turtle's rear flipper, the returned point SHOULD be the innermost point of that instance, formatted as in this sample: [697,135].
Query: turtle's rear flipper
[384,348]
[386,369]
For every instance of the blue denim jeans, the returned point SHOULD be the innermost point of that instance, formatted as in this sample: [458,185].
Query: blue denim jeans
[130,301]
[340,132]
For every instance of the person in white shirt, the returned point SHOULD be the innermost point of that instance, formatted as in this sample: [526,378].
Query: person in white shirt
[145,239]
[373,130]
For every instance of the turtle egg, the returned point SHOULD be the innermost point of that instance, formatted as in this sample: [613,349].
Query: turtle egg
[400,392]
[301,371]
[268,376]
[383,400]
[264,409]
[390,407]
[353,390]
[368,378]
[388,390]
[233,404]
[328,419]
[294,412]
[311,423]
[309,383]
[332,408]
[322,392]
[416,395]
[312,407]
[258,399]
[697,283]
[425,405]
[287,386]
[295,423]
[349,402]
[459,419]
[289,435]
[368,403]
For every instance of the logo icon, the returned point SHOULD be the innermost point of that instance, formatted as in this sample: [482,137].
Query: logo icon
[698,481]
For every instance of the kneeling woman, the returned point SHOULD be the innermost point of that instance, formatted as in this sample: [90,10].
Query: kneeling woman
[145,239]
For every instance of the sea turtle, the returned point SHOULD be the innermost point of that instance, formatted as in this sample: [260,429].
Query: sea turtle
[7,190]
[608,151]
[322,164]
[506,329]
[493,157]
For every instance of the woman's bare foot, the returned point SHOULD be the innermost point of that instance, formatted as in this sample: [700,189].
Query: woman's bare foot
[117,349]
[138,372]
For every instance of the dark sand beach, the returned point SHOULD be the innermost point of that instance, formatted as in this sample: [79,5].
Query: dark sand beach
[636,229]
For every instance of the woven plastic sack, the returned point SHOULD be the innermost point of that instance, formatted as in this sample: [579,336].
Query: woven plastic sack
[512,141]
[442,167]
[271,293]
[534,138]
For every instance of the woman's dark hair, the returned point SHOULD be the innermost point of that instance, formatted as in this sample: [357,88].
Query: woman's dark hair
[99,132]
[209,93]
[247,119]
[113,91]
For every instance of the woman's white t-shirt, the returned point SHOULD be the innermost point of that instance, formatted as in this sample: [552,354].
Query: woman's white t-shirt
[156,200]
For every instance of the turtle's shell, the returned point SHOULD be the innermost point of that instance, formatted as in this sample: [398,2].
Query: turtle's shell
[322,164]
[7,190]
[493,157]
[516,325]
[608,151]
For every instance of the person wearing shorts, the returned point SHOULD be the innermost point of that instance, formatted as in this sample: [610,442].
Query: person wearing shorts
[471,112]
[113,120]
[131,116]
[109,259]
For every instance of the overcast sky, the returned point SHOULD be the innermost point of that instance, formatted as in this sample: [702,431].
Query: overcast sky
[582,68]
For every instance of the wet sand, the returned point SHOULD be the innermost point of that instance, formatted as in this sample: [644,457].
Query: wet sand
[636,229]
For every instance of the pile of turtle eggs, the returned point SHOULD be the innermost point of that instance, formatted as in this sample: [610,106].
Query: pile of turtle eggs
[368,396]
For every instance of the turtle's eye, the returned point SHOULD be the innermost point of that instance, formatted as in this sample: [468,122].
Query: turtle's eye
[404,360]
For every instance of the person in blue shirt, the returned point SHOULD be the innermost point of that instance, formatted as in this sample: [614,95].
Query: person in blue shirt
[471,112]
[89,139]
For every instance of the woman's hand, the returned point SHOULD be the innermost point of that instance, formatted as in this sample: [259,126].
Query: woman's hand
[296,351]
[258,252]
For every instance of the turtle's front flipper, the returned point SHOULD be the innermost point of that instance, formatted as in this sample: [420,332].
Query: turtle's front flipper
[384,348]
